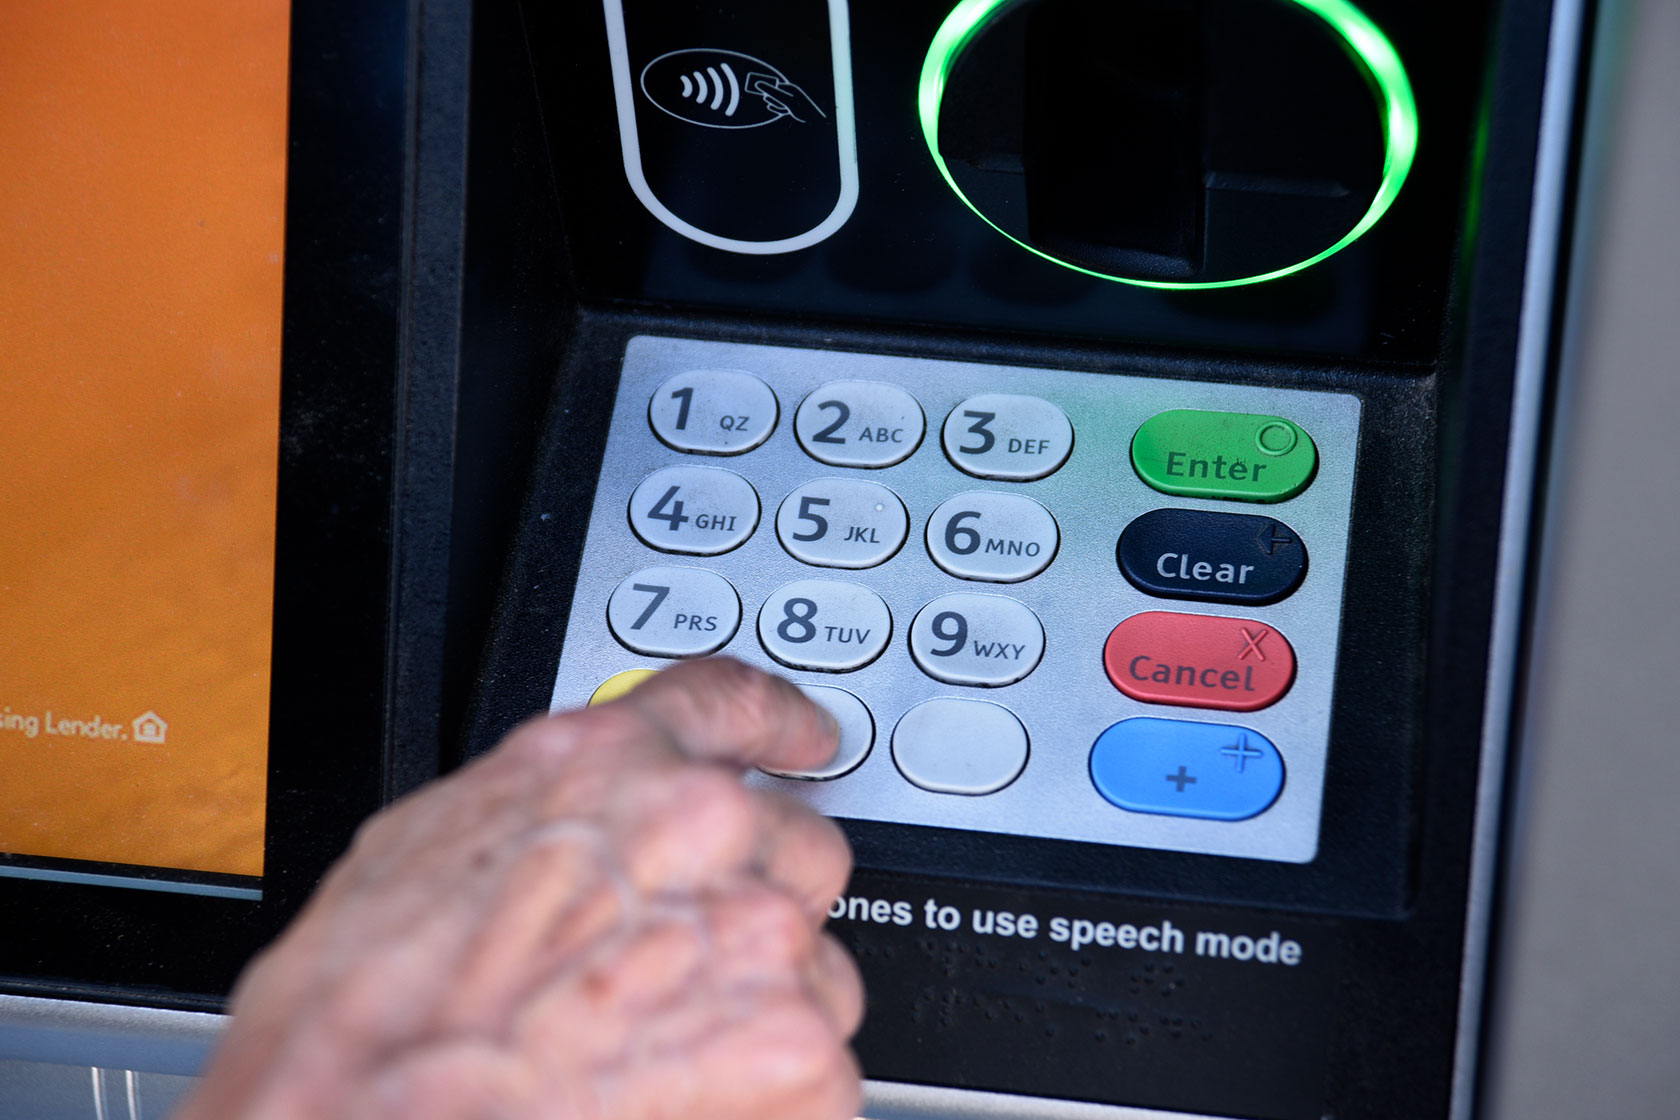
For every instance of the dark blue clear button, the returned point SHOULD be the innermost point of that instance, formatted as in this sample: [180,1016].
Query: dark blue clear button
[1209,770]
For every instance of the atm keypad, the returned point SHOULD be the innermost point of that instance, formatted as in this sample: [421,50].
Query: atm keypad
[1019,643]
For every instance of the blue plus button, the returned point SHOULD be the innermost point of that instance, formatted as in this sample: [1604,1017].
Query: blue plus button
[1209,770]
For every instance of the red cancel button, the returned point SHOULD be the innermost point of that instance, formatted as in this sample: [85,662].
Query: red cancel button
[1199,661]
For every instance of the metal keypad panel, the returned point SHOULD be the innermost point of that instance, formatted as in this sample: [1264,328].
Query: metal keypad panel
[1005,608]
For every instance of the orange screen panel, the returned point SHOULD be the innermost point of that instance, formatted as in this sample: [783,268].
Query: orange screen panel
[142,189]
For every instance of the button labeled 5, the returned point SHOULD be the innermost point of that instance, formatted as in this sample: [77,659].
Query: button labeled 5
[842,523]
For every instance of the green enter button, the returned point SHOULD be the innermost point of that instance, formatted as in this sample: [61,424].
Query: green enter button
[1224,455]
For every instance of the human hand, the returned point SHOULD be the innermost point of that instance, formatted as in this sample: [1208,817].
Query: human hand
[596,921]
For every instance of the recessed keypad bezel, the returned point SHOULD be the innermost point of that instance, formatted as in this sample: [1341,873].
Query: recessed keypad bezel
[1067,701]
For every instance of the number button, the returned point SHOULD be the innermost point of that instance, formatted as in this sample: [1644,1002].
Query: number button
[859,424]
[1017,439]
[1000,538]
[700,511]
[674,612]
[984,640]
[960,746]
[824,624]
[842,523]
[713,412]
[857,733]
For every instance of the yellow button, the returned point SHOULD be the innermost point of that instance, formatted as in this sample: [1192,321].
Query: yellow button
[618,684]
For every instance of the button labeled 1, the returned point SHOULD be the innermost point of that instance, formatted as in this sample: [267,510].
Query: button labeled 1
[999,435]
[859,424]
[984,640]
[701,511]
[857,733]
[824,624]
[842,523]
[713,412]
[1001,538]
[674,612]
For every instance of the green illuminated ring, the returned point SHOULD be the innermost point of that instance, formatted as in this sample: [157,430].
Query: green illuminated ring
[1400,121]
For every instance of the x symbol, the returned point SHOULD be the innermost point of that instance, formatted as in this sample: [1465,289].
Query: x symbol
[1251,643]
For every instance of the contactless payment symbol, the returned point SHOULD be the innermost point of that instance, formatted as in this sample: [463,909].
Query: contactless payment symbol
[724,89]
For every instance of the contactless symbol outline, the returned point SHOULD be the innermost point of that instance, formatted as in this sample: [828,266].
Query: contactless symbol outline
[699,85]
[1369,45]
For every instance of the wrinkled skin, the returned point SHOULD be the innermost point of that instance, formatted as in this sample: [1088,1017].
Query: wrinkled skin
[596,921]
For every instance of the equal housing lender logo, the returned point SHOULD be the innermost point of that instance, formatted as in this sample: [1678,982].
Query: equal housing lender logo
[148,727]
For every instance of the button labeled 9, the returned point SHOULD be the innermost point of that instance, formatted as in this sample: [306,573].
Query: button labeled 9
[984,640]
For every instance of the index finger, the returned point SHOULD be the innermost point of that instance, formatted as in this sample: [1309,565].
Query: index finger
[722,710]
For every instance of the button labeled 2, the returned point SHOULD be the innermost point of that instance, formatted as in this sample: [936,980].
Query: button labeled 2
[859,424]
[1199,661]
[1184,769]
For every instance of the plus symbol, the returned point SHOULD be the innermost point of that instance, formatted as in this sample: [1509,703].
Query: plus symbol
[1183,779]
[1240,752]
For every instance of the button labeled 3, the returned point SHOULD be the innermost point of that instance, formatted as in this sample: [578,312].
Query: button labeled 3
[1001,538]
[700,511]
[1185,769]
[985,640]
[824,624]
[859,424]
[674,612]
[1000,435]
[842,523]
[713,412]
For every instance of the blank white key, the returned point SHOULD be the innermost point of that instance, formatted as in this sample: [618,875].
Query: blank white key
[1000,435]
[960,746]
[985,640]
[859,424]
[674,612]
[824,624]
[1002,538]
[842,523]
[713,411]
[857,732]
[701,511]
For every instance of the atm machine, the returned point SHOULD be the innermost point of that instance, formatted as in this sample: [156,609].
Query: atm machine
[1132,421]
